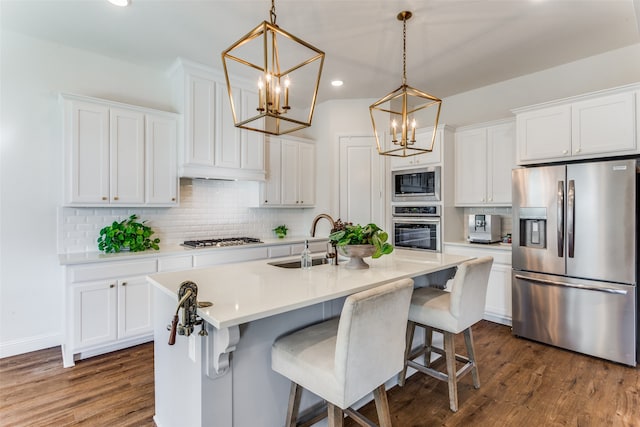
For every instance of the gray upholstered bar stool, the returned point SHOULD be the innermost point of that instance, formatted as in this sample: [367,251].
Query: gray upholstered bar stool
[449,313]
[343,359]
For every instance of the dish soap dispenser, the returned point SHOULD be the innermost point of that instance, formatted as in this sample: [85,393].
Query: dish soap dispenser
[305,257]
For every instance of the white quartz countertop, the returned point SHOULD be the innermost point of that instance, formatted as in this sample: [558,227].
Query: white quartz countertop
[244,292]
[173,249]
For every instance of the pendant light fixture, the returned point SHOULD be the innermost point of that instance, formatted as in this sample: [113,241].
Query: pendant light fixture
[396,116]
[272,78]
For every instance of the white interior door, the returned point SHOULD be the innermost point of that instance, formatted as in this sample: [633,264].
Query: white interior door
[362,186]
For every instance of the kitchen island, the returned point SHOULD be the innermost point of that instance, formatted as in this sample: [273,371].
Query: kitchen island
[224,378]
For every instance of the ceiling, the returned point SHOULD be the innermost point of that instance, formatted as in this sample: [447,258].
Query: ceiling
[452,45]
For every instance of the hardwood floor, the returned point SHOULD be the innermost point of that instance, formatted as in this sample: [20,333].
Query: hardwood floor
[115,389]
[523,384]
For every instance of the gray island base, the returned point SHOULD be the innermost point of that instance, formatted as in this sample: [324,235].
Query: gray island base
[224,378]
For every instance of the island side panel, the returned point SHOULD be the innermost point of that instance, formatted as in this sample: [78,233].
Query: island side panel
[184,395]
[260,395]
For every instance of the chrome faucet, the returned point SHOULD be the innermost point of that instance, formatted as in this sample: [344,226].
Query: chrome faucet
[332,255]
[315,222]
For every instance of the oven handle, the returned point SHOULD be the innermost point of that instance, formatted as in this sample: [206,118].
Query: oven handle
[409,220]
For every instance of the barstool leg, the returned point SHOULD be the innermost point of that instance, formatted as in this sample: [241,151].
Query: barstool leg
[450,356]
[294,404]
[468,339]
[411,327]
[428,340]
[382,406]
[336,415]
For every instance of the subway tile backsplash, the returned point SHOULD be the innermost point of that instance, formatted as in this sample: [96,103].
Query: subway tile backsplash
[208,208]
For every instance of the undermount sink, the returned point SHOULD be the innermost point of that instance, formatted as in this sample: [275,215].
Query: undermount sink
[296,263]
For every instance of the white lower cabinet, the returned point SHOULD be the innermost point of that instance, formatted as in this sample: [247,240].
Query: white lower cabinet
[498,302]
[94,313]
[106,311]
[135,307]
[110,303]
[108,307]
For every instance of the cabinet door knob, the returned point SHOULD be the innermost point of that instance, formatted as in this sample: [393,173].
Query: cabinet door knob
[104,198]
[124,283]
[577,150]
[564,151]
[112,285]
[115,198]
[173,199]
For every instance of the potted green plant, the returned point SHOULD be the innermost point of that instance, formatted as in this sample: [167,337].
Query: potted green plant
[127,234]
[358,241]
[281,231]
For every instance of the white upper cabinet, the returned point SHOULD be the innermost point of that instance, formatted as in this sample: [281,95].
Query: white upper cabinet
[86,152]
[291,175]
[593,125]
[212,146]
[484,157]
[423,140]
[161,167]
[118,154]
[252,156]
[604,125]
[270,189]
[126,144]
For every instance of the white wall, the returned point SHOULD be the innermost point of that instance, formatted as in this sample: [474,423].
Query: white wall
[33,227]
[33,72]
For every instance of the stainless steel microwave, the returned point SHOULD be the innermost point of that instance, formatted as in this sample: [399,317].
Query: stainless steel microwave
[416,185]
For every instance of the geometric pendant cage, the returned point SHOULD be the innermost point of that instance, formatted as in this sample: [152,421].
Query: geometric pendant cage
[284,73]
[398,117]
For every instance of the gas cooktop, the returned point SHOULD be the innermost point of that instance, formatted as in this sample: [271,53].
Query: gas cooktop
[229,241]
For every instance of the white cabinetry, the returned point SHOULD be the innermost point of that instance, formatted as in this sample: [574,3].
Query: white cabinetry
[593,125]
[109,303]
[291,178]
[109,307]
[485,156]
[498,301]
[212,146]
[161,168]
[116,154]
[423,140]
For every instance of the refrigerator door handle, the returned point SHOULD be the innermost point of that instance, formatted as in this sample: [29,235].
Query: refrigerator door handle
[560,215]
[571,285]
[571,212]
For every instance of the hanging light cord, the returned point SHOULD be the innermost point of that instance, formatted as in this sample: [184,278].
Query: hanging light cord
[404,51]
[273,12]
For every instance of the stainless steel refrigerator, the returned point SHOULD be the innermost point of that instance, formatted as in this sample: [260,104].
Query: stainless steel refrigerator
[575,257]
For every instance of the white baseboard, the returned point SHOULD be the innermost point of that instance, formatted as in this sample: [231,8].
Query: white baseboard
[498,318]
[29,344]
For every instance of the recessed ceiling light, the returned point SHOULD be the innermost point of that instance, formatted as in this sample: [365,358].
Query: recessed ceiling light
[121,3]
[337,83]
